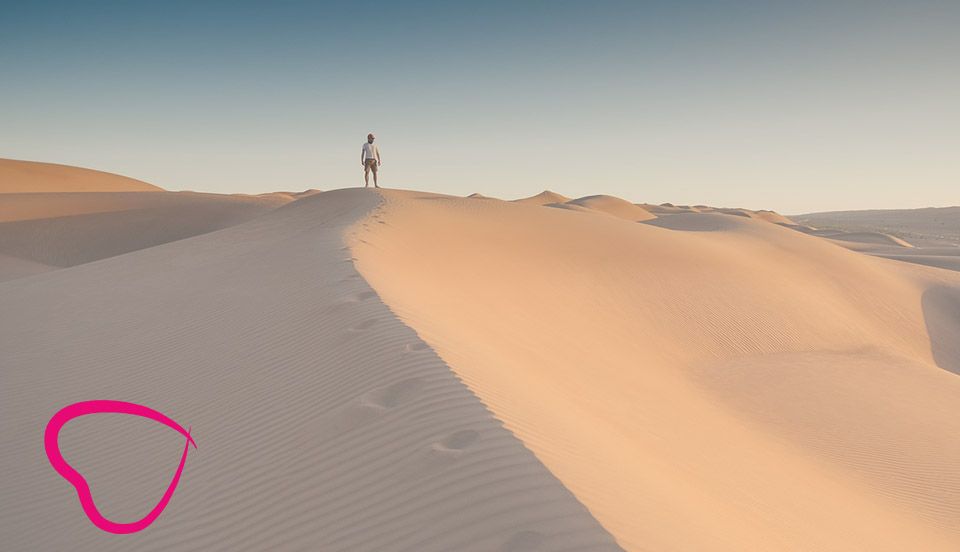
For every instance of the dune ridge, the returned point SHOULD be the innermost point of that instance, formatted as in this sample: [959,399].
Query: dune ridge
[322,422]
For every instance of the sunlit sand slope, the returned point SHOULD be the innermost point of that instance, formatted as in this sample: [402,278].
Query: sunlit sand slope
[701,381]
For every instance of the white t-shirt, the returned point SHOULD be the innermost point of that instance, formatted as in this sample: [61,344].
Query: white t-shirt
[370,151]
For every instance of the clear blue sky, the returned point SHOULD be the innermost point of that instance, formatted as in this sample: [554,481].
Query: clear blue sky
[795,106]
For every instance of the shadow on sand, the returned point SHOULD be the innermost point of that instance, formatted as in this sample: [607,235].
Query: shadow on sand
[941,311]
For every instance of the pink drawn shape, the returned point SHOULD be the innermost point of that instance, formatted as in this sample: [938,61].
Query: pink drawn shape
[52,447]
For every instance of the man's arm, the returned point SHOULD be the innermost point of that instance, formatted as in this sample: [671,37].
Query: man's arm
[362,158]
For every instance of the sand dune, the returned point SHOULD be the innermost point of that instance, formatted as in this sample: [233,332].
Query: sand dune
[613,206]
[545,197]
[322,421]
[697,381]
[639,212]
[29,176]
[743,388]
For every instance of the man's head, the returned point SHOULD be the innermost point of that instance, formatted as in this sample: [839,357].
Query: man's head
[371,138]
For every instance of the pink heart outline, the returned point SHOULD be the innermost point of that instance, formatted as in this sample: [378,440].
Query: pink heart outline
[52,447]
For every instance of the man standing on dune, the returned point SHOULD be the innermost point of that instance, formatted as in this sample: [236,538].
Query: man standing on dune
[370,159]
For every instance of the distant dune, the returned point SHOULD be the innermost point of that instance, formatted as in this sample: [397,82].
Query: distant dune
[613,206]
[667,208]
[371,370]
[543,198]
[638,212]
[929,226]
[479,196]
[49,229]
[29,176]
[931,234]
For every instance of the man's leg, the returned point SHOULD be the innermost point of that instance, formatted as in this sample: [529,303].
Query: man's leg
[366,175]
[375,171]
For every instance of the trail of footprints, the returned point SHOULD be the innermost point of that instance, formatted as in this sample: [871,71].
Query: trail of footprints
[436,454]
[372,405]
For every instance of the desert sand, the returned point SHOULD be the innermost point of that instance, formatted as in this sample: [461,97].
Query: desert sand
[396,370]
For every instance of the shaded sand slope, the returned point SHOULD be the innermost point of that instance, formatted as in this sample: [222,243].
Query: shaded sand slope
[14,267]
[30,176]
[699,381]
[323,423]
[53,216]
[22,207]
[950,261]
[66,229]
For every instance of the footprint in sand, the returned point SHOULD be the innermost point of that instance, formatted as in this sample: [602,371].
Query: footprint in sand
[459,440]
[366,324]
[395,394]
[368,407]
[362,296]
[348,419]
[437,456]
[412,347]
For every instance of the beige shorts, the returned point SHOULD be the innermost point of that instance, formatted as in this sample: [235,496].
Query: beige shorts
[369,164]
